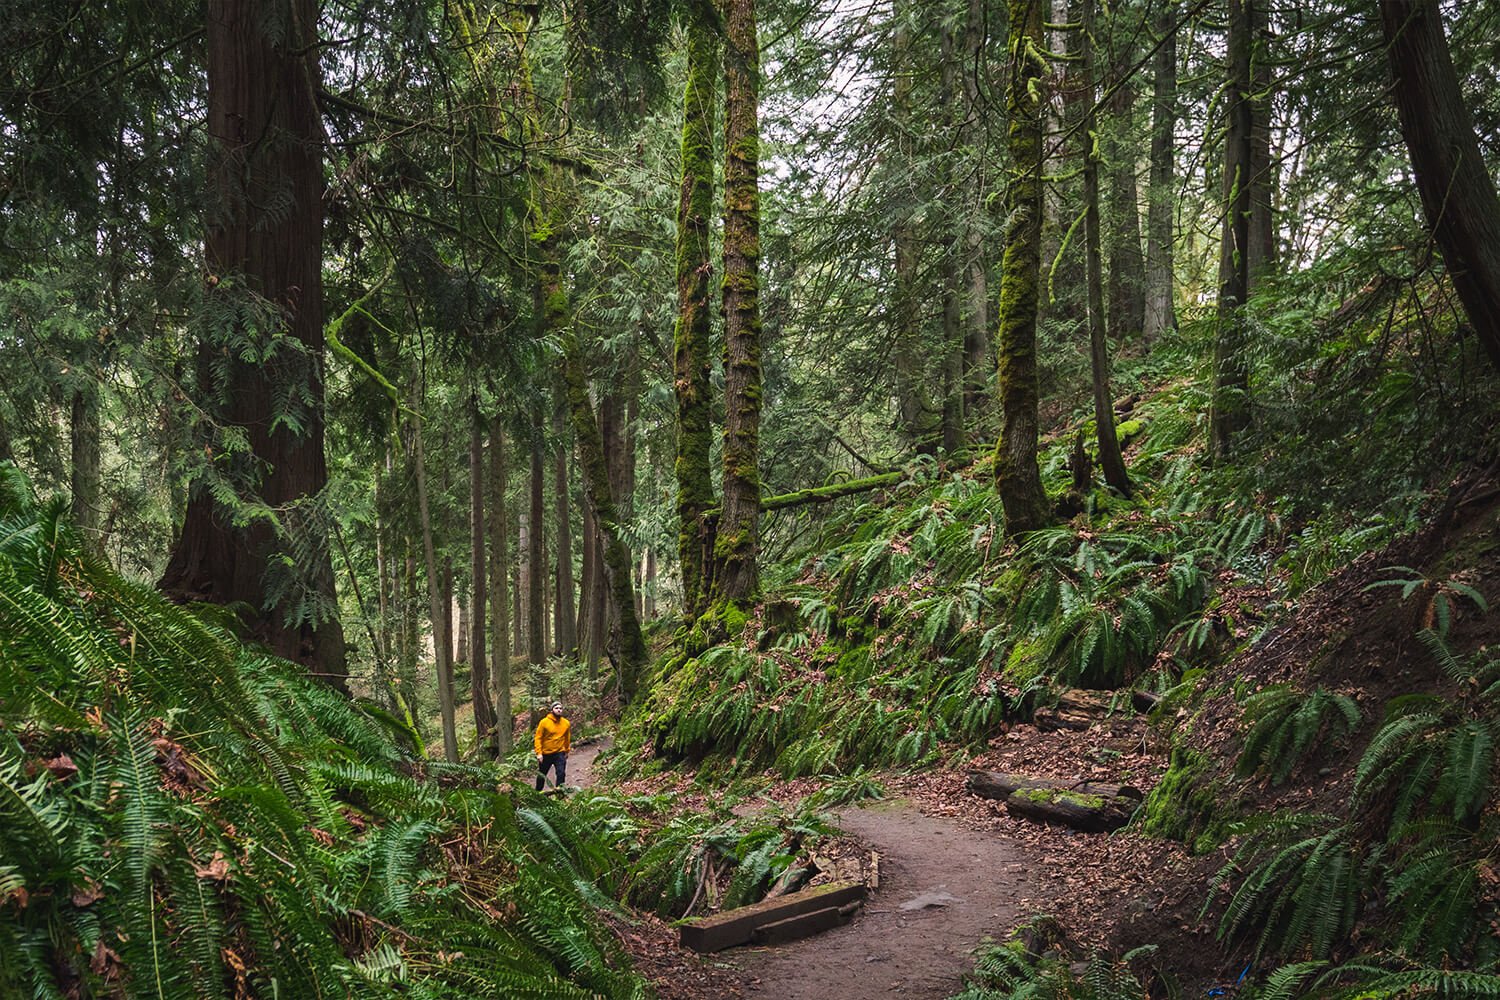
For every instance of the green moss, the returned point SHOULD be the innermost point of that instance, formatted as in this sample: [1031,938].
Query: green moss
[1188,805]
[852,662]
[1027,660]
[1128,430]
[1053,796]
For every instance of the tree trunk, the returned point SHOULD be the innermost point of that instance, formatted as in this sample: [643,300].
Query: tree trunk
[500,588]
[977,359]
[460,597]
[1262,255]
[695,491]
[536,581]
[1161,315]
[588,581]
[83,434]
[737,543]
[479,675]
[267,134]
[1231,393]
[441,644]
[1127,268]
[1018,479]
[1104,412]
[523,577]
[565,616]
[1458,193]
[953,265]
[918,415]
[629,646]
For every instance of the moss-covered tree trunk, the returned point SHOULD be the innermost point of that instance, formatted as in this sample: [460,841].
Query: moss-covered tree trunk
[500,587]
[1458,193]
[1161,316]
[1231,391]
[695,489]
[1018,479]
[736,547]
[564,618]
[536,558]
[1104,414]
[629,647]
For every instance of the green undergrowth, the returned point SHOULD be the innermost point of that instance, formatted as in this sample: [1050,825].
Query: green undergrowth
[1015,971]
[912,625]
[181,816]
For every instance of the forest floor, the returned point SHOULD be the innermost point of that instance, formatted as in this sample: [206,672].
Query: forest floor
[955,873]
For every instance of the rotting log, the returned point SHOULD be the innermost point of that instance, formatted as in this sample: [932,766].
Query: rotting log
[725,930]
[1075,710]
[1000,786]
[1075,809]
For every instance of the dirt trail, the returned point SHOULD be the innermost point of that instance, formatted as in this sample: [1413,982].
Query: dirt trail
[581,761]
[943,888]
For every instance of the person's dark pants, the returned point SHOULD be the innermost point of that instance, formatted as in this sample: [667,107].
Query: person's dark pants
[558,761]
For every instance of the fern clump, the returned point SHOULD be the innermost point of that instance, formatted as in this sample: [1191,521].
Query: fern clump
[1286,725]
[1436,751]
[182,816]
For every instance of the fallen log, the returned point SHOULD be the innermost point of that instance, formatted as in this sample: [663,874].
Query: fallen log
[1077,810]
[1074,710]
[1000,786]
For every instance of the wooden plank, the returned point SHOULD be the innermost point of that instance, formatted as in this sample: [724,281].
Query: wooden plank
[732,927]
[801,926]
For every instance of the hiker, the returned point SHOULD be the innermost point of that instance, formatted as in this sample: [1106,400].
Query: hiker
[554,738]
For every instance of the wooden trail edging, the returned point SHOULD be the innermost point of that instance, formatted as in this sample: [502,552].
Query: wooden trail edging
[773,921]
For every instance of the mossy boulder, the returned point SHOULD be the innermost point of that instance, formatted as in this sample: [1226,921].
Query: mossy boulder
[1189,805]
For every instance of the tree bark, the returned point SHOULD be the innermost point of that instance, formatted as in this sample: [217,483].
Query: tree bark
[1161,314]
[1457,191]
[695,491]
[977,354]
[536,581]
[479,675]
[629,646]
[1018,479]
[918,415]
[737,542]
[83,436]
[588,581]
[565,615]
[1231,395]
[267,134]
[1127,268]
[441,644]
[1110,459]
[500,587]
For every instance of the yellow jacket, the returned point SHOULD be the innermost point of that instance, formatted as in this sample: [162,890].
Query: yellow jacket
[553,735]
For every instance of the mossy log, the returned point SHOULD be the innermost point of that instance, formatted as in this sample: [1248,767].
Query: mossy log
[1078,810]
[1001,786]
